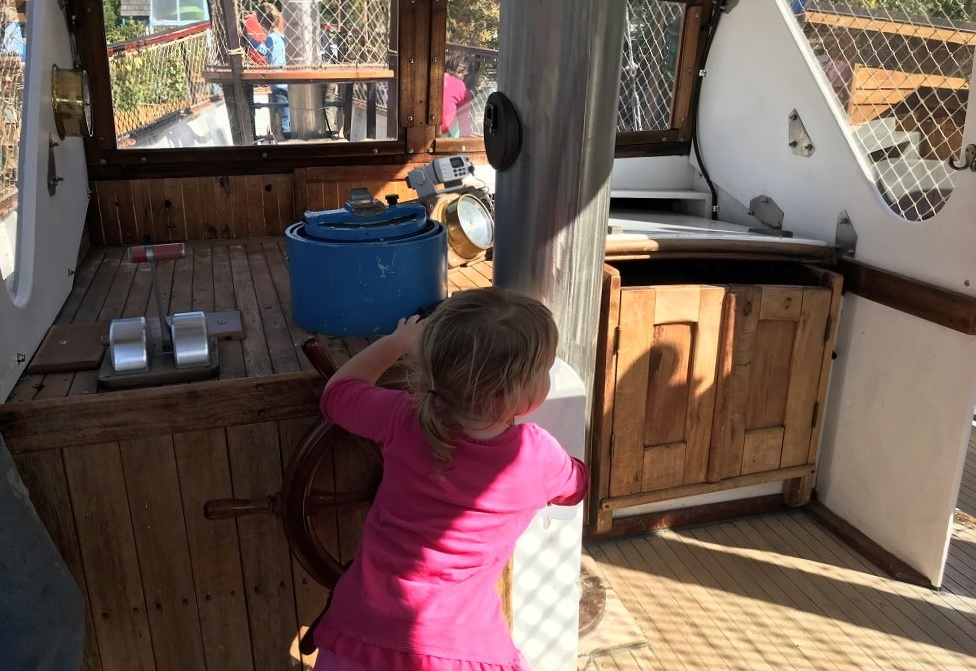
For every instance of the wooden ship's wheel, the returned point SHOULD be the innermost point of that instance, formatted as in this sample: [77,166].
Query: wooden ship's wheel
[308,493]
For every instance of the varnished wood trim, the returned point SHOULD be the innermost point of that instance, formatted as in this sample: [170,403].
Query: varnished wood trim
[30,426]
[705,487]
[90,40]
[474,147]
[690,56]
[646,137]
[864,546]
[615,249]
[940,306]
[217,161]
[691,516]
[652,149]
[222,75]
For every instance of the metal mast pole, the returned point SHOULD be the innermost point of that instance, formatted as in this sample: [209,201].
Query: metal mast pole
[303,34]
[559,63]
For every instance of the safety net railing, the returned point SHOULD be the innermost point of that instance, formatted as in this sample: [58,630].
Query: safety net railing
[157,76]
[901,70]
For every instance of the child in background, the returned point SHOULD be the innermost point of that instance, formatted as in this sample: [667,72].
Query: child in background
[461,483]
[458,96]
[272,48]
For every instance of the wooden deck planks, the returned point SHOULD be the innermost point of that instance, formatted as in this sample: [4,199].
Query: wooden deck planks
[777,591]
[220,274]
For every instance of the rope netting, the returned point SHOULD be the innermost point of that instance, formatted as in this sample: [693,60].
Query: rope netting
[11,100]
[315,35]
[901,71]
[156,76]
[647,72]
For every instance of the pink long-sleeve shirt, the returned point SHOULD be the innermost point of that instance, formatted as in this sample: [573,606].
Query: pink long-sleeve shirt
[423,581]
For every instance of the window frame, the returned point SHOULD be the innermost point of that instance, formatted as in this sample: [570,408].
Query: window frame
[421,42]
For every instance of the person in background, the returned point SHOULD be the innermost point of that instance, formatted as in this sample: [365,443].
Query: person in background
[13,37]
[456,112]
[272,48]
[462,480]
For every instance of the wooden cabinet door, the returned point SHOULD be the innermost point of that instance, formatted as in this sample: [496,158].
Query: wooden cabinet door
[668,340]
[768,379]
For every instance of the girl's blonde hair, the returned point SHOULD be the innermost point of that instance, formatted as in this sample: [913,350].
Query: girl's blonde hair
[477,354]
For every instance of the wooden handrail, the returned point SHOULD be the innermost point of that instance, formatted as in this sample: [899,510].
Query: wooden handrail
[164,37]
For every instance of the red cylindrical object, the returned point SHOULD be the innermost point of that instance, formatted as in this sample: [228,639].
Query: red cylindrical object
[167,251]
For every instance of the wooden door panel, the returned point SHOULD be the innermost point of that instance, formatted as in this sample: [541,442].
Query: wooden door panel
[668,348]
[761,450]
[667,390]
[664,466]
[732,384]
[630,403]
[770,372]
[766,399]
[808,351]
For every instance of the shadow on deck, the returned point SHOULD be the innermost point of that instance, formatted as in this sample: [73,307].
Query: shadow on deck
[780,591]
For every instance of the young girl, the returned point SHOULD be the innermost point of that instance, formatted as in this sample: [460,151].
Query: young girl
[461,483]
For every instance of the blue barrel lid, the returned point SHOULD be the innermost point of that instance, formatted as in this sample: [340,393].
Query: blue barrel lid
[364,219]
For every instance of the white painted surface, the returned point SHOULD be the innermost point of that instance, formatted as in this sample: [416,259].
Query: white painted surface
[643,225]
[898,479]
[546,562]
[50,227]
[903,390]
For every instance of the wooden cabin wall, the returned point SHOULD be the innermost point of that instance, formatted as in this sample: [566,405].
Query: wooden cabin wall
[166,588]
[230,206]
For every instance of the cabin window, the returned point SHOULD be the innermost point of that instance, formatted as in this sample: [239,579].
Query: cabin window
[330,80]
[470,66]
[900,69]
[13,55]
[647,73]
[243,73]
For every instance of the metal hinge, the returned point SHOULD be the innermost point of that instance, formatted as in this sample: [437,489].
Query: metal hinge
[827,328]
[816,413]
[616,340]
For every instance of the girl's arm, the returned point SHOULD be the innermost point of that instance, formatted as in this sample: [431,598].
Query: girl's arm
[373,361]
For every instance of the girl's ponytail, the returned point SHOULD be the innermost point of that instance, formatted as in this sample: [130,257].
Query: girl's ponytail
[434,428]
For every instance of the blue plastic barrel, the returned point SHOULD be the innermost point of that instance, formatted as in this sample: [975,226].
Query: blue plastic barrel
[356,271]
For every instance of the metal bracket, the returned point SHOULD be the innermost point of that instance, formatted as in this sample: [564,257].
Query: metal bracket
[52,169]
[800,141]
[770,215]
[845,240]
[969,159]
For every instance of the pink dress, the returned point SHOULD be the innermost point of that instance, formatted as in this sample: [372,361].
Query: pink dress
[421,592]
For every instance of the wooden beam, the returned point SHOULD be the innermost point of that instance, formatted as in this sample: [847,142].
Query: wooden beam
[947,308]
[705,487]
[298,75]
[30,426]
[949,35]
[686,517]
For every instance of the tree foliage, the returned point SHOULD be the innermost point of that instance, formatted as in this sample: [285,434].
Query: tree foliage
[117,28]
[473,23]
